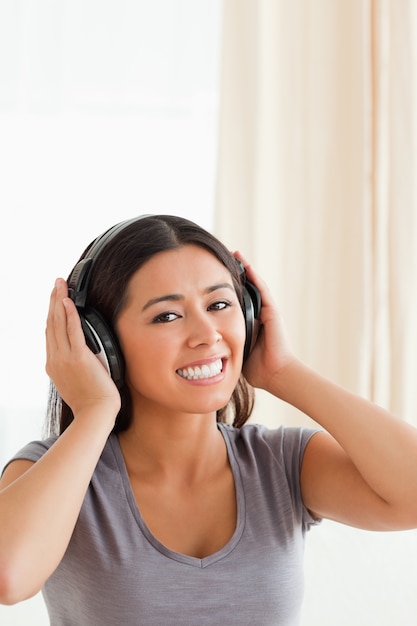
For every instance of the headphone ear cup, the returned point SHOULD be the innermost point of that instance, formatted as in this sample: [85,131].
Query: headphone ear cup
[103,343]
[251,311]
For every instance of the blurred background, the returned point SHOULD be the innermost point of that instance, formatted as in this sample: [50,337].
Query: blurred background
[286,128]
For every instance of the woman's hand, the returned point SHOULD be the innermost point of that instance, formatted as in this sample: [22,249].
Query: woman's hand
[78,375]
[272,351]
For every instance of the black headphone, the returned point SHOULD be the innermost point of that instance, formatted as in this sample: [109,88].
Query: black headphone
[100,337]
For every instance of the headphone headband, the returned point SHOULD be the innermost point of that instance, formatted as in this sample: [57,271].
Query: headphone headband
[80,275]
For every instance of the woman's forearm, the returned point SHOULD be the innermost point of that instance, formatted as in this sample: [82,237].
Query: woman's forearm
[38,510]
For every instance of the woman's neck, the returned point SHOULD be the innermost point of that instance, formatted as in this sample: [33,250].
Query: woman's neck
[185,448]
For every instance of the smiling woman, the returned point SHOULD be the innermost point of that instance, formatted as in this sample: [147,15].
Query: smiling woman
[170,249]
[151,478]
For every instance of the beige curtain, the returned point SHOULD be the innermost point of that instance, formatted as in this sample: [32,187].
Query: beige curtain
[316,184]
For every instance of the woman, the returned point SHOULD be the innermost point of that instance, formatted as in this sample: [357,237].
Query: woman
[147,507]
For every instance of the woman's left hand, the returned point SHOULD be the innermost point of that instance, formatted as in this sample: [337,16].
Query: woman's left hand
[272,350]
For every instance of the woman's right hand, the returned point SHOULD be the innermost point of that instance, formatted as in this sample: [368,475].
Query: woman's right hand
[80,378]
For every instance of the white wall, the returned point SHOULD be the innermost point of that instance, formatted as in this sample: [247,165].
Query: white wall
[359,578]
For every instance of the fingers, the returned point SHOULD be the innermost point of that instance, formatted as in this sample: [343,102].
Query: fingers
[63,328]
[56,319]
[250,272]
[63,322]
[257,280]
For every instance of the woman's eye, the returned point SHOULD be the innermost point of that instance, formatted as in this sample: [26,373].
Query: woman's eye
[164,318]
[219,306]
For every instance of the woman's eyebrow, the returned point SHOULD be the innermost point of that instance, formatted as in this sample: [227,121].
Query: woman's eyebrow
[175,297]
[219,286]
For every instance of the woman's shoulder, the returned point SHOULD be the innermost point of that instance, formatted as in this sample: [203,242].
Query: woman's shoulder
[281,436]
[269,448]
[32,451]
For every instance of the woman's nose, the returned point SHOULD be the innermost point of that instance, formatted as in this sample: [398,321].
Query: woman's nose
[203,331]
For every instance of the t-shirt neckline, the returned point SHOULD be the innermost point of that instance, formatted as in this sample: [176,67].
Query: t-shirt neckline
[150,537]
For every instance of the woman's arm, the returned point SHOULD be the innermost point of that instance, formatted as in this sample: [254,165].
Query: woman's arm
[39,505]
[40,502]
[363,470]
[365,473]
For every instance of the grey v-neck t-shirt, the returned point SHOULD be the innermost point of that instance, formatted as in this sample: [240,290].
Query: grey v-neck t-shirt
[115,572]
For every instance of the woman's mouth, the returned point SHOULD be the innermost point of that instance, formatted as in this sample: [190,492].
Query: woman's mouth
[200,372]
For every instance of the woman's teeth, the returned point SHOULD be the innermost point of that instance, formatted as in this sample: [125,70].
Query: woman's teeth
[201,371]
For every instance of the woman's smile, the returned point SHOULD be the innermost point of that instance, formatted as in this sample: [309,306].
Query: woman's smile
[203,371]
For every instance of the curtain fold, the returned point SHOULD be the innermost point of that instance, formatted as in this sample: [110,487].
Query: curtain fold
[315,182]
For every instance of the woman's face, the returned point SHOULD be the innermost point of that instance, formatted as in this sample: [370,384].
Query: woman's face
[182,333]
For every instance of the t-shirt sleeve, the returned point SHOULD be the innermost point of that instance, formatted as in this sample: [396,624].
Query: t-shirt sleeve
[302,436]
[288,445]
[32,451]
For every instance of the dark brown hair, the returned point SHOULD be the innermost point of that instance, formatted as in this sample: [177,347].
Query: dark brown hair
[123,255]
